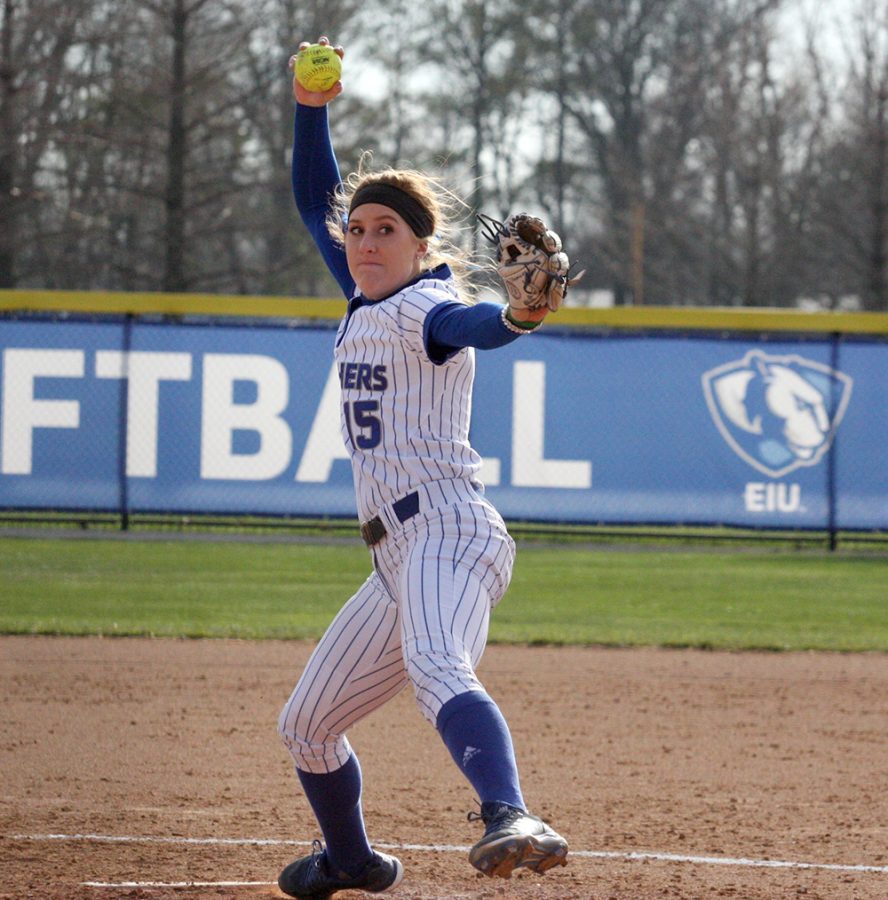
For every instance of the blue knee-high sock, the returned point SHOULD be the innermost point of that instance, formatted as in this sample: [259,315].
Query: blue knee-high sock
[478,738]
[335,798]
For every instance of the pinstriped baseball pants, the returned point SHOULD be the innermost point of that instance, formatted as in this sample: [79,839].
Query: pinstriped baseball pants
[421,618]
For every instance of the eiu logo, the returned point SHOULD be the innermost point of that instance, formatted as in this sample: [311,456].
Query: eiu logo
[778,413]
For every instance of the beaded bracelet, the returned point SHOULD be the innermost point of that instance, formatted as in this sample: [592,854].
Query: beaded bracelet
[515,327]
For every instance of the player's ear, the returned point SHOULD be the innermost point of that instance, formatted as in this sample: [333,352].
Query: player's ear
[422,248]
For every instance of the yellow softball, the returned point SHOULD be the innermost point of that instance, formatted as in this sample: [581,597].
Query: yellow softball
[318,67]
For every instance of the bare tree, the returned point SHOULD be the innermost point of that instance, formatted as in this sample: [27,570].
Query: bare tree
[168,133]
[641,77]
[616,54]
[34,46]
[478,55]
[851,224]
[762,133]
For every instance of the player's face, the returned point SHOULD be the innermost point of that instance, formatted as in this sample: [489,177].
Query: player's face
[382,251]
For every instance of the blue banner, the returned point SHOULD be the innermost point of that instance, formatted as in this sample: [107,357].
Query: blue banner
[573,427]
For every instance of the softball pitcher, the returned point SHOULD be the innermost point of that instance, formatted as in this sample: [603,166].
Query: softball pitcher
[442,557]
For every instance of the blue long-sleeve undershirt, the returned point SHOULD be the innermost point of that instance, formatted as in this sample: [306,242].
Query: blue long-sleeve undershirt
[450,326]
[315,176]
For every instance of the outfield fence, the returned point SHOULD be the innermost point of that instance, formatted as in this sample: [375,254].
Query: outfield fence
[184,405]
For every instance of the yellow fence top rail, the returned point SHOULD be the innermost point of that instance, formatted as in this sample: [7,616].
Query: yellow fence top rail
[143,304]
[623,317]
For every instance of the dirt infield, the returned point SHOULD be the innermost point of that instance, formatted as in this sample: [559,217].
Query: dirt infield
[673,773]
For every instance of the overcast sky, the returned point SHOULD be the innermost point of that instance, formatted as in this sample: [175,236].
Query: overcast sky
[830,19]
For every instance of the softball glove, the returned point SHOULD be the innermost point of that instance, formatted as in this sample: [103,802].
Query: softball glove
[530,261]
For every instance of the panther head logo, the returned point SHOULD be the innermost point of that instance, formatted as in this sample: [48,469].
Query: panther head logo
[778,413]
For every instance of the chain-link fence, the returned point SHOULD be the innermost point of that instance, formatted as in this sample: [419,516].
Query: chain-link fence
[129,416]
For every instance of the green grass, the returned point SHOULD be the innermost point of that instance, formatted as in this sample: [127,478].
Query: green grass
[752,598]
[724,599]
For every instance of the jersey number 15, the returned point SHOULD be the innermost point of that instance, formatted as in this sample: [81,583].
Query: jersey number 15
[363,423]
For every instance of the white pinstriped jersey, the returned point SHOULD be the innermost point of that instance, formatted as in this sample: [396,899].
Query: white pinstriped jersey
[405,420]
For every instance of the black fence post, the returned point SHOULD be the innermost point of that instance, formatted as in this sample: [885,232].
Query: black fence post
[835,339]
[123,425]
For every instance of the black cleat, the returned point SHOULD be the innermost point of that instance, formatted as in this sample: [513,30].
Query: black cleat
[311,877]
[515,839]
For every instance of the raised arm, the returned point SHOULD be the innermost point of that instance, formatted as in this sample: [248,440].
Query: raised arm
[315,175]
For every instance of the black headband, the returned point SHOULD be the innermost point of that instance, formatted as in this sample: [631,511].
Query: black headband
[408,208]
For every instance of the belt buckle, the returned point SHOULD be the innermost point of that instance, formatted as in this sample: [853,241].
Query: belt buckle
[373,531]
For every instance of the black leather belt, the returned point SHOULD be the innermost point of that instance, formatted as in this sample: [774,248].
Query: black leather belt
[406,508]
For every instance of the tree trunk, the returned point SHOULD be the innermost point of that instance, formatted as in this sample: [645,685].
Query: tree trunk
[875,298]
[8,134]
[174,273]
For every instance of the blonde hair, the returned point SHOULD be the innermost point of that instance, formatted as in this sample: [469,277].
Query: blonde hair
[441,204]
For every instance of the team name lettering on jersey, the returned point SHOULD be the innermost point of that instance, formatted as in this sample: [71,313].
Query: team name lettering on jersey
[363,375]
